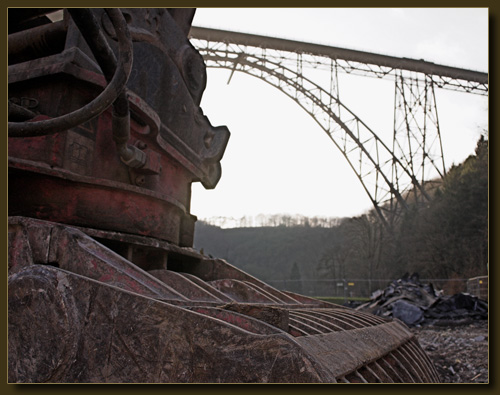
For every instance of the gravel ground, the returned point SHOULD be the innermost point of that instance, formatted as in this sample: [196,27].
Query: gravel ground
[460,353]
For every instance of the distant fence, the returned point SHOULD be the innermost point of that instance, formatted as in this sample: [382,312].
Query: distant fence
[363,288]
[478,286]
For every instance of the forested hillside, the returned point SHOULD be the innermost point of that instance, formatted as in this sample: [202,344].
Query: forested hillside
[268,253]
[447,238]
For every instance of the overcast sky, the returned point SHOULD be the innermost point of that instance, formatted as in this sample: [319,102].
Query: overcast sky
[278,160]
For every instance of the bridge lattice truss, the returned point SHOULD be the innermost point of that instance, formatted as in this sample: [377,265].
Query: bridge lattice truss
[390,175]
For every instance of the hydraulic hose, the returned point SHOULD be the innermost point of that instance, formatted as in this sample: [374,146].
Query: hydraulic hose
[93,35]
[105,99]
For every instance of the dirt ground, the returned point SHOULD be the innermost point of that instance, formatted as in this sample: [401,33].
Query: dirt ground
[460,353]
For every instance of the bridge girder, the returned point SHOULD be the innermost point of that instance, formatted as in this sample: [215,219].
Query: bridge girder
[351,61]
[386,174]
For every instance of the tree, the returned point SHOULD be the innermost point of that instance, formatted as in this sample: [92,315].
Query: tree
[332,263]
[449,237]
[368,236]
[296,278]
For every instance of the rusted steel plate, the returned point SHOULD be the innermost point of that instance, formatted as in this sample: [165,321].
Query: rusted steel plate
[59,272]
[72,250]
[102,334]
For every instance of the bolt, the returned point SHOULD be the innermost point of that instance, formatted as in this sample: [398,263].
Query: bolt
[141,145]
[140,180]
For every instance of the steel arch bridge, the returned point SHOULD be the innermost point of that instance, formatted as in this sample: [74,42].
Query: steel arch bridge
[390,175]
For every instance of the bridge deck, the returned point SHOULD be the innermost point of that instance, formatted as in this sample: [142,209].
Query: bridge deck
[420,66]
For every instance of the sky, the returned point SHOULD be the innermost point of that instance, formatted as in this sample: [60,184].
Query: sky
[278,160]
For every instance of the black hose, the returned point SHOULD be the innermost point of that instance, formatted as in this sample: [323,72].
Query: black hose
[89,27]
[107,97]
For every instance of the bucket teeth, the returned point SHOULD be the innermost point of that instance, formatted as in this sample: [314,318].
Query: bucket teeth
[210,329]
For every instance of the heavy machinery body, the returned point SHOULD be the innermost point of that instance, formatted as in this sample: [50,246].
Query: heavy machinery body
[106,136]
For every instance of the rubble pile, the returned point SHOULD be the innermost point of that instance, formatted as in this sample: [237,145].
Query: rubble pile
[414,303]
[459,353]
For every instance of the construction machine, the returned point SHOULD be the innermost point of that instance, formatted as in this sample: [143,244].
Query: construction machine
[105,137]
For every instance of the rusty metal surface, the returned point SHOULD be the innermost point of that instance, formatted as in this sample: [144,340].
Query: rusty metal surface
[92,295]
[98,333]
[167,129]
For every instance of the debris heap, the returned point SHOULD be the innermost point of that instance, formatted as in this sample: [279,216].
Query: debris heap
[414,303]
